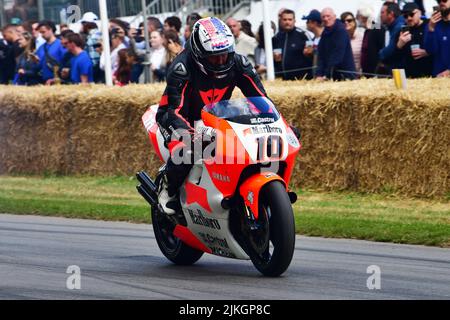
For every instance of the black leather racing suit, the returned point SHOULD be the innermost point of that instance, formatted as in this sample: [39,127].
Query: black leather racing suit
[188,90]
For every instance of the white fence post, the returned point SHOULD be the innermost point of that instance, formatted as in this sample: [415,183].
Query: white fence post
[105,38]
[268,41]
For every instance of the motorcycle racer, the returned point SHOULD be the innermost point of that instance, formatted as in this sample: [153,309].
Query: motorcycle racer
[206,72]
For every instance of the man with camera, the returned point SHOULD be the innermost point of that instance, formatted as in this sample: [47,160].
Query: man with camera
[410,45]
[117,43]
[92,37]
[437,39]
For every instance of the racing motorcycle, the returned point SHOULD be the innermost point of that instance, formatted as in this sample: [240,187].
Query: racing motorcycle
[235,202]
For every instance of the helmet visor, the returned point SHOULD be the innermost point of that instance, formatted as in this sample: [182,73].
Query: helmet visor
[218,59]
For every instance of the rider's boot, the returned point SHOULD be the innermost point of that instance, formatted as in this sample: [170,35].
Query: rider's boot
[166,198]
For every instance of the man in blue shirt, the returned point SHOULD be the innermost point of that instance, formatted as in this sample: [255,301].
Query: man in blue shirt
[437,39]
[81,70]
[51,53]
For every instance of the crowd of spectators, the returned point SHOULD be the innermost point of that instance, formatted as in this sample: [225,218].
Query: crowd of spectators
[347,47]
[352,46]
[35,53]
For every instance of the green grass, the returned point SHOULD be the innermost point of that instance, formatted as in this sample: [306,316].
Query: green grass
[378,217]
[82,197]
[373,217]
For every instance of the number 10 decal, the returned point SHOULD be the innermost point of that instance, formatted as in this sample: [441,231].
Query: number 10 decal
[270,148]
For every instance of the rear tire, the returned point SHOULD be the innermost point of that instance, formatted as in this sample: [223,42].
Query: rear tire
[272,253]
[173,248]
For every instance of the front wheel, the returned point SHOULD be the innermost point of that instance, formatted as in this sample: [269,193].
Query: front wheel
[271,243]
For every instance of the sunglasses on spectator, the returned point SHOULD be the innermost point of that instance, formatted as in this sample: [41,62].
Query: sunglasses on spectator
[443,1]
[409,14]
[349,20]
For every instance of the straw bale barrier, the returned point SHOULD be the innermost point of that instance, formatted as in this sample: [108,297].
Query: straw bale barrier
[362,135]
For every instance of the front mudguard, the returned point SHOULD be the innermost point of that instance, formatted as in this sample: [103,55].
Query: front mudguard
[250,189]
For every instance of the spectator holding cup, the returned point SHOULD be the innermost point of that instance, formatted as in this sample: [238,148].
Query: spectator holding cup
[411,43]
[314,25]
[437,39]
[288,45]
[278,55]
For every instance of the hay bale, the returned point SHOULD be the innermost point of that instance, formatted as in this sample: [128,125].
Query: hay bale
[362,135]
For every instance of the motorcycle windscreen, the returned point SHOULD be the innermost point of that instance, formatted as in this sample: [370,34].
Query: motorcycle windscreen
[252,111]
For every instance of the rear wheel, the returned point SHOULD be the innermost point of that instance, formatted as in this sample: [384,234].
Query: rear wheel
[172,247]
[271,238]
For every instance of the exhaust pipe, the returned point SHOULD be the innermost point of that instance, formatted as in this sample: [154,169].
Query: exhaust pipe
[147,189]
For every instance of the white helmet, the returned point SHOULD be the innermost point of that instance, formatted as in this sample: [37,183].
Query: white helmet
[211,37]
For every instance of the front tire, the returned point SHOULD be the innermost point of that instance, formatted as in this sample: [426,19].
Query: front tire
[271,247]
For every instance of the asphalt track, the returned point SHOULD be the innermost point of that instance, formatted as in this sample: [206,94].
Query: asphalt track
[122,261]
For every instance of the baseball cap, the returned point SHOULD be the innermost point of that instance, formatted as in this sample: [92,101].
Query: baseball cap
[16,21]
[89,17]
[410,7]
[314,15]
